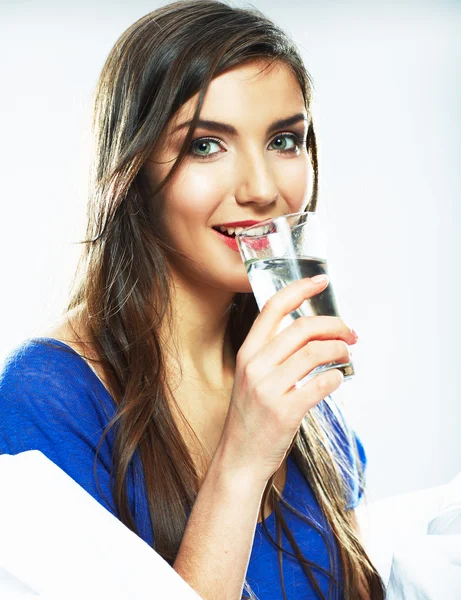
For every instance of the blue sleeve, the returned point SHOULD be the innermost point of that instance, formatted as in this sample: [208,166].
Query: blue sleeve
[49,403]
[348,447]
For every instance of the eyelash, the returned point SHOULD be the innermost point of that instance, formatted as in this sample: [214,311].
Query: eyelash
[299,142]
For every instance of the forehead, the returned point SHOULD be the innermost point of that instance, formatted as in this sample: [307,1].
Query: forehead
[257,92]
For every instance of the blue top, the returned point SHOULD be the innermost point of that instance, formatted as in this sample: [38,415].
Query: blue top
[52,401]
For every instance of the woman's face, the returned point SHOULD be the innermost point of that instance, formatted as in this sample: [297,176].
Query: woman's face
[244,164]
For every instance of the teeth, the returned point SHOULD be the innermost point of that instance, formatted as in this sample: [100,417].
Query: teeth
[237,230]
[229,230]
[260,230]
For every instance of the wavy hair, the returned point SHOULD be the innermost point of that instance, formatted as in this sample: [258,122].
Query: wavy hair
[123,281]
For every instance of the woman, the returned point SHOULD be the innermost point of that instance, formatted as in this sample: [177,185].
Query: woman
[202,122]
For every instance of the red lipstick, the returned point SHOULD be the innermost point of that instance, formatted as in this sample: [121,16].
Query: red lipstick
[229,241]
[239,224]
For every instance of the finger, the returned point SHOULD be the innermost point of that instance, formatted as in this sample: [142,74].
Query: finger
[310,356]
[276,308]
[300,401]
[302,331]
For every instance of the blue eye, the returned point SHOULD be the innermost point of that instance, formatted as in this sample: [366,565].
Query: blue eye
[286,142]
[204,147]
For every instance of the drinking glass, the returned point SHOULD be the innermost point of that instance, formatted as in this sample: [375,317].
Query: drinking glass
[281,250]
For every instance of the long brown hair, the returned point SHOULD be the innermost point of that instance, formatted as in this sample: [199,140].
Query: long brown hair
[123,281]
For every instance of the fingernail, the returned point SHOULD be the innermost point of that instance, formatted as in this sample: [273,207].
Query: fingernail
[356,336]
[320,278]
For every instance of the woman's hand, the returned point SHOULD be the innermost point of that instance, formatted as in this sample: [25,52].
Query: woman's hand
[266,409]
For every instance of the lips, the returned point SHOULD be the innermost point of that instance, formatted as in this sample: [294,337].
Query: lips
[231,242]
[247,223]
[233,234]
[257,244]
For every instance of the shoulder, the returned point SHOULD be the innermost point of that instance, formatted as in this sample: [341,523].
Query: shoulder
[71,330]
[46,388]
[43,361]
[51,401]
[39,361]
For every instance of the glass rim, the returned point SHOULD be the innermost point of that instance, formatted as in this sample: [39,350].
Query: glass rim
[272,220]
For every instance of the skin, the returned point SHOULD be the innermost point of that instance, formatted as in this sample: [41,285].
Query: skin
[256,172]
[246,175]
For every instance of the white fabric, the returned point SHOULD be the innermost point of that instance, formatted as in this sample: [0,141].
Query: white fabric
[57,542]
[414,540]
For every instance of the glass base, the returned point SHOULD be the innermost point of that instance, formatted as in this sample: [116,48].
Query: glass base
[347,369]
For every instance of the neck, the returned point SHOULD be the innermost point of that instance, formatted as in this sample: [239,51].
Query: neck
[201,348]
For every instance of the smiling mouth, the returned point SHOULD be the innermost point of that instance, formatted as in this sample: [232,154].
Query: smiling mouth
[230,235]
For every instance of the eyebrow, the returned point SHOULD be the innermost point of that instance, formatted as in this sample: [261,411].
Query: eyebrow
[229,129]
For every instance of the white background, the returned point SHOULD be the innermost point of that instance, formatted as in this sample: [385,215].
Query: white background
[388,98]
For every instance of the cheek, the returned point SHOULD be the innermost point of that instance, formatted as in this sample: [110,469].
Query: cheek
[294,181]
[194,193]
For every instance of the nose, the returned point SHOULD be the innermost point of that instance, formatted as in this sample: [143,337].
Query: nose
[255,181]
